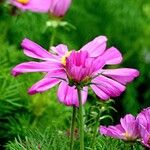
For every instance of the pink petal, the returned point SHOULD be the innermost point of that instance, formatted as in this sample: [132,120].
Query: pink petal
[100,93]
[50,80]
[125,122]
[144,133]
[34,50]
[123,75]
[77,73]
[75,65]
[112,56]
[144,117]
[33,5]
[43,85]
[35,67]
[106,88]
[61,49]
[97,65]
[68,94]
[96,47]
[59,7]
[112,131]
[130,125]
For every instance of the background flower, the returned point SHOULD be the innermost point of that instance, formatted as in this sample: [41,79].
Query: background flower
[32,5]
[127,130]
[143,119]
[57,8]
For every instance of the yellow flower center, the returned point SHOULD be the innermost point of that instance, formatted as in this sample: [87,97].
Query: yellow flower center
[63,59]
[23,1]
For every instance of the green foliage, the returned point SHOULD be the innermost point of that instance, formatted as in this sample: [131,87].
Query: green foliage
[54,139]
[51,138]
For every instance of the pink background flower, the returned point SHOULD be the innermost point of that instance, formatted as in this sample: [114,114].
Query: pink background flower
[54,7]
[33,5]
[144,126]
[127,130]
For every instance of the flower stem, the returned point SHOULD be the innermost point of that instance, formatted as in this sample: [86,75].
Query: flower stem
[72,128]
[81,122]
[52,39]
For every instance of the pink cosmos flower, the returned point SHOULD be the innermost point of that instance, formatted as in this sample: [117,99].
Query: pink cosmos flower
[144,126]
[32,5]
[77,68]
[127,130]
[57,8]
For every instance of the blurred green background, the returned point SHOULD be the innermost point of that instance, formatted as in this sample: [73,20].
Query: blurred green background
[125,23]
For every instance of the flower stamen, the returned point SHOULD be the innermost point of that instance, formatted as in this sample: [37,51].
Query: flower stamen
[63,59]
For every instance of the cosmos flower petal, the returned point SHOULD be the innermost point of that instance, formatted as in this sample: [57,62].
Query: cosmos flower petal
[59,7]
[129,123]
[35,67]
[112,131]
[143,119]
[122,75]
[34,50]
[68,94]
[100,93]
[33,5]
[125,122]
[111,88]
[60,49]
[112,56]
[84,94]
[43,85]
[96,47]
[51,79]
[74,65]
[18,5]
[144,136]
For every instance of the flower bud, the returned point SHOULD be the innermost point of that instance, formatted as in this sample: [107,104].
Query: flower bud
[58,8]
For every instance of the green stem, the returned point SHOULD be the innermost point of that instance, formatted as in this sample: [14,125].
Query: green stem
[52,39]
[81,122]
[72,128]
